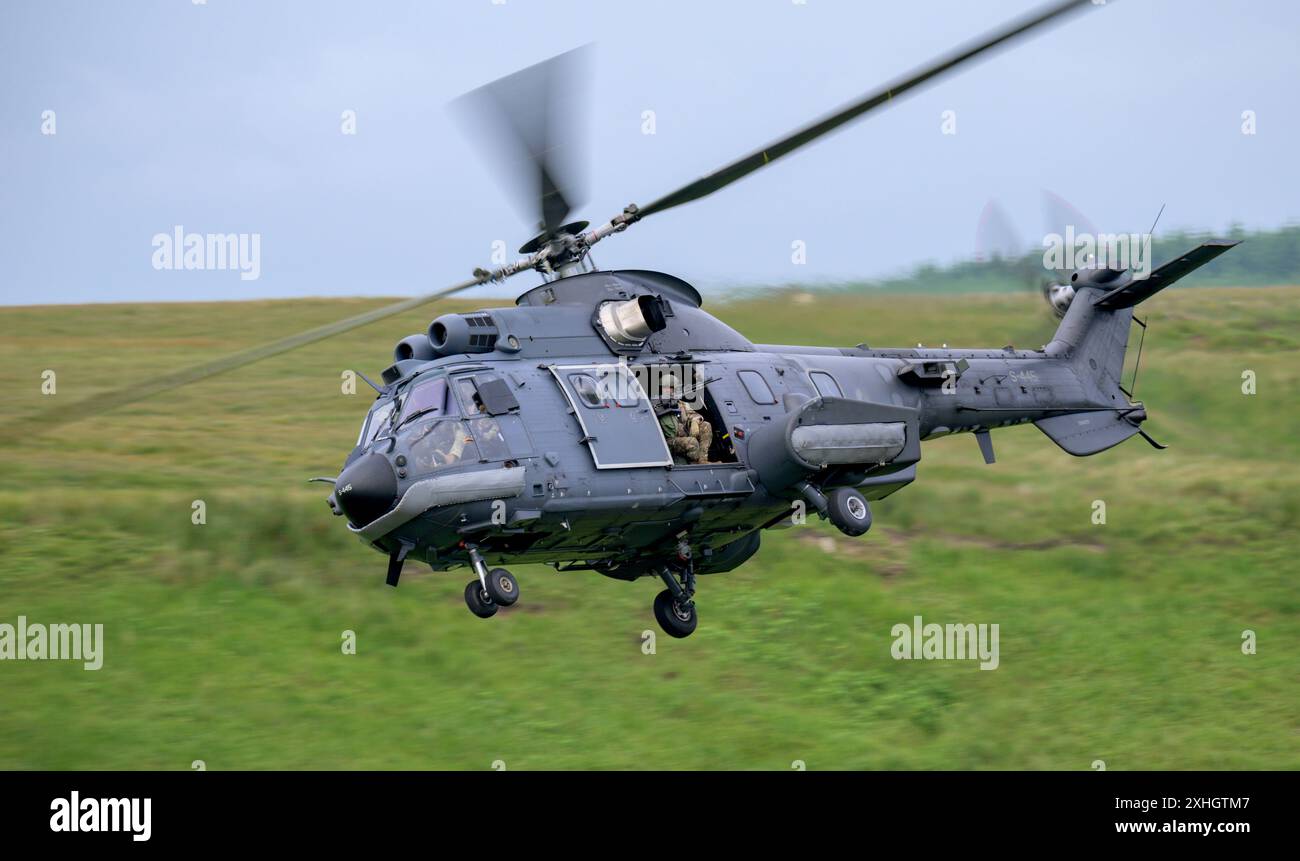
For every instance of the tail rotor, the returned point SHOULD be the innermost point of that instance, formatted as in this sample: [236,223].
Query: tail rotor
[999,241]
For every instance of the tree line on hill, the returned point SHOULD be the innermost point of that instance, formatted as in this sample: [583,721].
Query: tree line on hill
[1266,258]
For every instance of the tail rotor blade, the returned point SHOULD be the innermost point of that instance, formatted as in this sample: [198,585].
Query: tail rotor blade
[996,236]
[1001,246]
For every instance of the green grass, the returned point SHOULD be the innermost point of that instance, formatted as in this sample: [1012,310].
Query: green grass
[1119,642]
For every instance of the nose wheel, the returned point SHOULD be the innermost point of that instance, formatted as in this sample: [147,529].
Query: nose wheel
[502,587]
[480,603]
[677,618]
[492,590]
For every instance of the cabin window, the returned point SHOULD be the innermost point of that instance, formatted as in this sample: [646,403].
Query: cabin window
[759,391]
[826,385]
[588,390]
[619,385]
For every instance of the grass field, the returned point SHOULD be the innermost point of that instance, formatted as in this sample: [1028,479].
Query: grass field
[1119,642]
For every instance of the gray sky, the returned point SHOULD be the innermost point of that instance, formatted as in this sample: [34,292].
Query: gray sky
[225,117]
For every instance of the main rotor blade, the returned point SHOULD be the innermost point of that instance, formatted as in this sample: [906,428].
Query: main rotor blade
[105,401]
[531,121]
[770,153]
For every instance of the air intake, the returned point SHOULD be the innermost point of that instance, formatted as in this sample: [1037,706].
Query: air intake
[463,333]
[413,347]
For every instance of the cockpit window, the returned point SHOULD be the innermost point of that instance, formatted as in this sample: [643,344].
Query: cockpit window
[431,399]
[377,421]
[442,443]
[469,394]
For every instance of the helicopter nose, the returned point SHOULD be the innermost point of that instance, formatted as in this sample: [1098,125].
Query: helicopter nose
[366,489]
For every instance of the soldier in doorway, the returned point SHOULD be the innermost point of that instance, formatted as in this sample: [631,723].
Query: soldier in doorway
[689,434]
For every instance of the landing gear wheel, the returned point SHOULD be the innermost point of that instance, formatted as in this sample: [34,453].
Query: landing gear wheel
[502,587]
[478,601]
[677,620]
[849,511]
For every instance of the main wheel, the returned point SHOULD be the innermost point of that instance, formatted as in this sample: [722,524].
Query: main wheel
[676,619]
[849,511]
[502,587]
[479,602]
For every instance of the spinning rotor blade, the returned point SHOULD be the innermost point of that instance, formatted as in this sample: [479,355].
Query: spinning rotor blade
[1060,217]
[523,114]
[101,403]
[532,119]
[998,241]
[996,235]
[760,158]
[999,245]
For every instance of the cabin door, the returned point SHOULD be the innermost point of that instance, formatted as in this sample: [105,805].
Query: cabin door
[618,423]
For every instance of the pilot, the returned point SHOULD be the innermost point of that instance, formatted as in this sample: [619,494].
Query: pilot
[687,433]
[441,445]
[454,436]
[460,438]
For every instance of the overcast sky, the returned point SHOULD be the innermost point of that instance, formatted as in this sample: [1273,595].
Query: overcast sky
[226,117]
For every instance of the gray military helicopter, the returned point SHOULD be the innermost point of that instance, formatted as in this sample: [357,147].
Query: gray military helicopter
[533,434]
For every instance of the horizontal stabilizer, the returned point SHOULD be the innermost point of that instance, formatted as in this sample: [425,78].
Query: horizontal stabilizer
[1140,290]
[1082,434]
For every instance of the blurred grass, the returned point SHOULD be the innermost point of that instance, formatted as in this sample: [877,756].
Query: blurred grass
[1119,642]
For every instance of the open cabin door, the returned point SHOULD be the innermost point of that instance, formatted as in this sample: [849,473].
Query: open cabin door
[618,423]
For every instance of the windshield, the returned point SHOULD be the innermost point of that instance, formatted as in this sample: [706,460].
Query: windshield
[375,422]
[430,399]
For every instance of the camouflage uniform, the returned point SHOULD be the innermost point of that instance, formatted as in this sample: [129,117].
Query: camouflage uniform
[688,434]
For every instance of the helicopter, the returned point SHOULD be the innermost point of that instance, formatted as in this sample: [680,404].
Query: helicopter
[531,435]
[535,433]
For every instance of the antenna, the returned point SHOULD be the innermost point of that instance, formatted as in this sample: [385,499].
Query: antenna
[1151,233]
[1157,221]
[1137,364]
[367,379]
